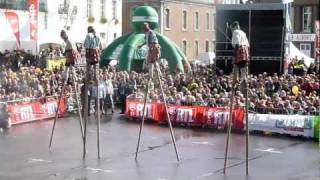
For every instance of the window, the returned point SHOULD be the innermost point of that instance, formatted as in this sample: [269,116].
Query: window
[208,21]
[114,9]
[213,21]
[114,35]
[184,20]
[103,35]
[102,8]
[306,48]
[213,45]
[196,20]
[64,8]
[207,46]
[184,47]
[89,8]
[196,48]
[22,5]
[306,19]
[167,16]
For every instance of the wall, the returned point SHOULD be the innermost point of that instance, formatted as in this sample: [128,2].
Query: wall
[51,23]
[190,34]
[175,32]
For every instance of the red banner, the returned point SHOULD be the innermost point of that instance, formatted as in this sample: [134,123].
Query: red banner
[190,115]
[13,20]
[21,113]
[33,18]
[317,45]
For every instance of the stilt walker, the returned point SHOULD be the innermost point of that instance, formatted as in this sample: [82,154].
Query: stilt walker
[152,58]
[240,68]
[93,47]
[71,56]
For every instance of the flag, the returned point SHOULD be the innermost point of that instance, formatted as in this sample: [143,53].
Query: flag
[33,19]
[13,20]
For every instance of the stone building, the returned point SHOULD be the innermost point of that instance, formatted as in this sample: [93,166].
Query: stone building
[188,23]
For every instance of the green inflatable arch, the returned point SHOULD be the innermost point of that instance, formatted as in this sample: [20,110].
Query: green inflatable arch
[131,57]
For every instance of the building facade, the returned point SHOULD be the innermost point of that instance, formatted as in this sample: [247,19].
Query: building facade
[304,14]
[188,23]
[72,15]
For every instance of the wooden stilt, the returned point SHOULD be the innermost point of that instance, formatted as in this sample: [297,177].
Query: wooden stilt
[77,101]
[143,113]
[166,108]
[58,106]
[230,121]
[69,70]
[85,109]
[167,113]
[96,74]
[247,121]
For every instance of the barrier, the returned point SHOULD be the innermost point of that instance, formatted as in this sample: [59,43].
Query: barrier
[217,117]
[22,113]
[192,115]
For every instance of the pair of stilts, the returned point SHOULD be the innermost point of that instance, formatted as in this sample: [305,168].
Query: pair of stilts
[85,108]
[158,72]
[70,70]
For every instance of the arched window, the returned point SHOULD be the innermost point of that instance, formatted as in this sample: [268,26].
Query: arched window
[184,20]
[196,48]
[207,21]
[184,47]
[196,20]
[167,16]
[207,46]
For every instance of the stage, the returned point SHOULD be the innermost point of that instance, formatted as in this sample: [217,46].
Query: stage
[24,153]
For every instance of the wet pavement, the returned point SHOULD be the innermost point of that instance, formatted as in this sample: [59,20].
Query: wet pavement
[24,154]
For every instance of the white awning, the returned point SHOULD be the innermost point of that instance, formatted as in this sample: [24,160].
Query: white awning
[295,52]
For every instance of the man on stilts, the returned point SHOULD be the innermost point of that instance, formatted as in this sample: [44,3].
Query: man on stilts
[154,54]
[240,63]
[93,47]
[72,55]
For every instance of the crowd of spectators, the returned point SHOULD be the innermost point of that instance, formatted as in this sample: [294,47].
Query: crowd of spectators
[267,93]
[16,59]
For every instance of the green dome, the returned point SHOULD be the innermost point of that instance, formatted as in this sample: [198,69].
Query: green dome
[145,14]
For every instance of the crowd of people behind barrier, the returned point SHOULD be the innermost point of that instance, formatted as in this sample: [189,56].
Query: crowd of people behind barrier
[267,93]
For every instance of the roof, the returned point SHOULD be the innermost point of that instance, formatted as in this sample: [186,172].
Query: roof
[247,7]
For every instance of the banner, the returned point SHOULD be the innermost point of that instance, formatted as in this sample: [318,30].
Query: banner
[283,124]
[52,63]
[316,126]
[22,113]
[33,18]
[182,114]
[317,43]
[13,20]
[191,115]
[218,117]
[135,109]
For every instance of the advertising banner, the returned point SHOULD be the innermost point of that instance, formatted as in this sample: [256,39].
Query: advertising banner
[317,43]
[33,18]
[283,124]
[22,113]
[52,63]
[13,20]
[218,117]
